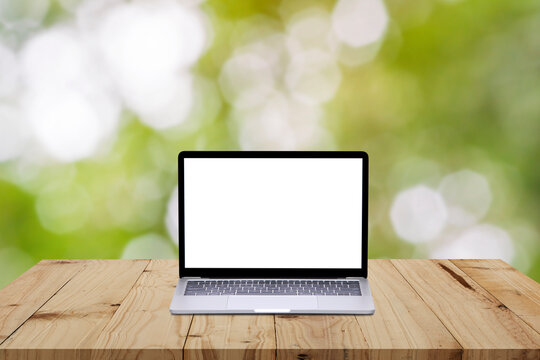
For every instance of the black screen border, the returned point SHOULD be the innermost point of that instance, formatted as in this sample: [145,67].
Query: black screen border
[272,272]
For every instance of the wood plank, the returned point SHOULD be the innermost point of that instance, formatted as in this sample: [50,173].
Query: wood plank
[482,325]
[319,337]
[231,337]
[71,321]
[515,290]
[403,326]
[24,296]
[142,327]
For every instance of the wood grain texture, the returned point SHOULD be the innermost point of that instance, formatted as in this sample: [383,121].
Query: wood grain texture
[228,337]
[319,337]
[118,309]
[142,327]
[403,326]
[24,296]
[483,326]
[516,291]
[70,322]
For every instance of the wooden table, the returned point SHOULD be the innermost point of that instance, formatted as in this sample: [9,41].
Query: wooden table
[425,309]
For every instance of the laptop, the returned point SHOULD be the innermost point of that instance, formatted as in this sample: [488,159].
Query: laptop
[272,232]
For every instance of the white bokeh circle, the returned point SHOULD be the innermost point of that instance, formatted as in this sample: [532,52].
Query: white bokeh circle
[64,123]
[67,101]
[281,123]
[54,57]
[359,22]
[313,76]
[483,241]
[246,80]
[418,214]
[148,48]
[467,195]
[311,29]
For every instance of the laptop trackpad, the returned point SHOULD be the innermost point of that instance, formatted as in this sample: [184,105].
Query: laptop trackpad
[277,303]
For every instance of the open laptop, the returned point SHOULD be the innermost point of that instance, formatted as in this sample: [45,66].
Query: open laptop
[273,232]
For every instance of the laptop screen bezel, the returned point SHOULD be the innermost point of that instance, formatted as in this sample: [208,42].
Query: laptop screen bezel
[272,272]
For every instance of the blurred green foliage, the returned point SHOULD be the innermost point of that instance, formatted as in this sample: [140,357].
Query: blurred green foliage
[455,85]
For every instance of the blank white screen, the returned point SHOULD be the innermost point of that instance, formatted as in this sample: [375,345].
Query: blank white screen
[273,213]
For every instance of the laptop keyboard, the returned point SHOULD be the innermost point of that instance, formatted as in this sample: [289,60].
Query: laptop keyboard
[273,287]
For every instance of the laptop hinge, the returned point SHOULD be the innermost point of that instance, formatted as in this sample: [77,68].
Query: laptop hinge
[190,277]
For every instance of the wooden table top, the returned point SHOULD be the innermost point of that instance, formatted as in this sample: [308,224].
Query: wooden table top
[119,309]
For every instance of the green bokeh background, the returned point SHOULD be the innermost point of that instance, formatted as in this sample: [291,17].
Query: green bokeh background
[454,86]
